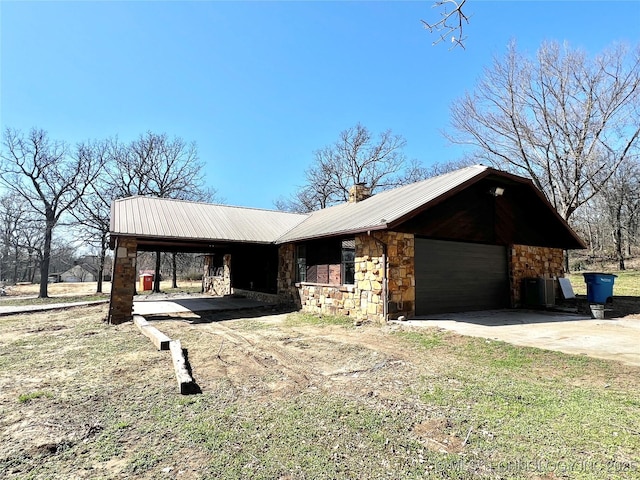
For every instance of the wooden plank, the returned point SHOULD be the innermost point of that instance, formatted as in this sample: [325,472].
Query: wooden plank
[186,385]
[159,339]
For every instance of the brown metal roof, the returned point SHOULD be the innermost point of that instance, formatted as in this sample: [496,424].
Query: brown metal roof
[383,209]
[167,218]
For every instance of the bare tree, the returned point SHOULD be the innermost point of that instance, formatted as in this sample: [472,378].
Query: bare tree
[621,196]
[451,24]
[49,177]
[356,157]
[92,211]
[563,119]
[159,166]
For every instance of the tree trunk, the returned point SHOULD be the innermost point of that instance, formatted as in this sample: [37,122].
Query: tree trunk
[15,265]
[46,258]
[103,254]
[617,238]
[156,277]
[174,273]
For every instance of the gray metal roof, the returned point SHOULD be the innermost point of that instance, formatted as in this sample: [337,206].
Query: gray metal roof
[160,217]
[175,219]
[380,210]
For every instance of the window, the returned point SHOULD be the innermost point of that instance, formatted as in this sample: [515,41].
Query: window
[348,267]
[301,263]
[329,262]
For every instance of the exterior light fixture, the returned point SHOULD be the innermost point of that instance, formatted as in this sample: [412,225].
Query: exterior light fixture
[496,191]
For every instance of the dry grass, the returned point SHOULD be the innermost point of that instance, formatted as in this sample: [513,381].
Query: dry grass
[304,397]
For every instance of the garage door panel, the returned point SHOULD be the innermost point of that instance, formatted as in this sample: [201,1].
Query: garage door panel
[456,276]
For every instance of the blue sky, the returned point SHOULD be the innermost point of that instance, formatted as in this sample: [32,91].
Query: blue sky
[259,86]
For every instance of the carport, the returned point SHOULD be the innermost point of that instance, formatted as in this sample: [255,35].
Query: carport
[246,236]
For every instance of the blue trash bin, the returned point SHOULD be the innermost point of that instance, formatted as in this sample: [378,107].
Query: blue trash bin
[599,287]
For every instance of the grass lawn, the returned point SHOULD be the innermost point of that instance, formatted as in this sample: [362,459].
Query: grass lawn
[302,397]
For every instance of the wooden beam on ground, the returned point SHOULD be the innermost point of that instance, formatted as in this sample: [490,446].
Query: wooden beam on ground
[186,385]
[159,339]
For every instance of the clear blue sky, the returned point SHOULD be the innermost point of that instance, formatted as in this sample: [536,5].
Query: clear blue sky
[260,85]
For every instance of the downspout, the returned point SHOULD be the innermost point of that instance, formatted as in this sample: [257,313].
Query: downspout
[385,303]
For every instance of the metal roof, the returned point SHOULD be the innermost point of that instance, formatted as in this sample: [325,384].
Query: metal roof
[383,209]
[141,216]
[176,219]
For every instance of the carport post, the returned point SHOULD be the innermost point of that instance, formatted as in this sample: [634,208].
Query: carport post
[123,281]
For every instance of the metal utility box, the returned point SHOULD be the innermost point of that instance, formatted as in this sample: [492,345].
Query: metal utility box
[538,292]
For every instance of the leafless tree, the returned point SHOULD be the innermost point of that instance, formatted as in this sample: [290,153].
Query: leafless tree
[356,157]
[159,166]
[49,177]
[565,120]
[92,211]
[451,24]
[621,195]
[16,222]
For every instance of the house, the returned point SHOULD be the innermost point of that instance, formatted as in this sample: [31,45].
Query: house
[82,272]
[461,241]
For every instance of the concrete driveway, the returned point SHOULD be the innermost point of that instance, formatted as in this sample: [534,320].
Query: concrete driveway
[609,339]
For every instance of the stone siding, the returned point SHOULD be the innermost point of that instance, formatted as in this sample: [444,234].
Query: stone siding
[365,299]
[124,281]
[402,276]
[527,262]
[217,285]
[287,290]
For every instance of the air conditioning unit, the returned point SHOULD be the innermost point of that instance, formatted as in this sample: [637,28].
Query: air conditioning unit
[538,292]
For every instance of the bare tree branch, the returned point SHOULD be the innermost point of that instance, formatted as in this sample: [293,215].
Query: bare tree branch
[451,24]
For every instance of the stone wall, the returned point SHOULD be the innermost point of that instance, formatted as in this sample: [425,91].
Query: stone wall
[287,290]
[217,285]
[365,299]
[124,280]
[526,262]
[402,277]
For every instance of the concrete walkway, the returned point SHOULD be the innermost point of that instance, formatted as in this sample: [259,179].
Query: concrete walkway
[17,309]
[609,339]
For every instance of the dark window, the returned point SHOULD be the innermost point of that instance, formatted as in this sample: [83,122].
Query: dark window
[326,261]
[301,263]
[348,269]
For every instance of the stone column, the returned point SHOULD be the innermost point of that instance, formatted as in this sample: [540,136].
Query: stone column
[123,281]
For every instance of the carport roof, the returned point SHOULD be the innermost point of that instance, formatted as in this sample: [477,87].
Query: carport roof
[162,218]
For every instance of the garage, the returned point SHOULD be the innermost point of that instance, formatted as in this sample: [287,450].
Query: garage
[459,276]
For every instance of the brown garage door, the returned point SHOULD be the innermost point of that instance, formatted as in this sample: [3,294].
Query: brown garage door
[457,277]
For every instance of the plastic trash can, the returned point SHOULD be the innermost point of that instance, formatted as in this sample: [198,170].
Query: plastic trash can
[599,287]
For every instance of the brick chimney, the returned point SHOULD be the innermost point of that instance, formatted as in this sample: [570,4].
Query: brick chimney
[358,193]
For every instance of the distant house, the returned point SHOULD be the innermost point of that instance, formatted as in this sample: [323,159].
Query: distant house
[461,241]
[83,272]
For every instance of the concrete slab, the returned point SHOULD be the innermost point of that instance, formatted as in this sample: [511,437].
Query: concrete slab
[15,310]
[609,339]
[192,304]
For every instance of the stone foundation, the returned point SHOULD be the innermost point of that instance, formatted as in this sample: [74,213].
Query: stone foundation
[532,262]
